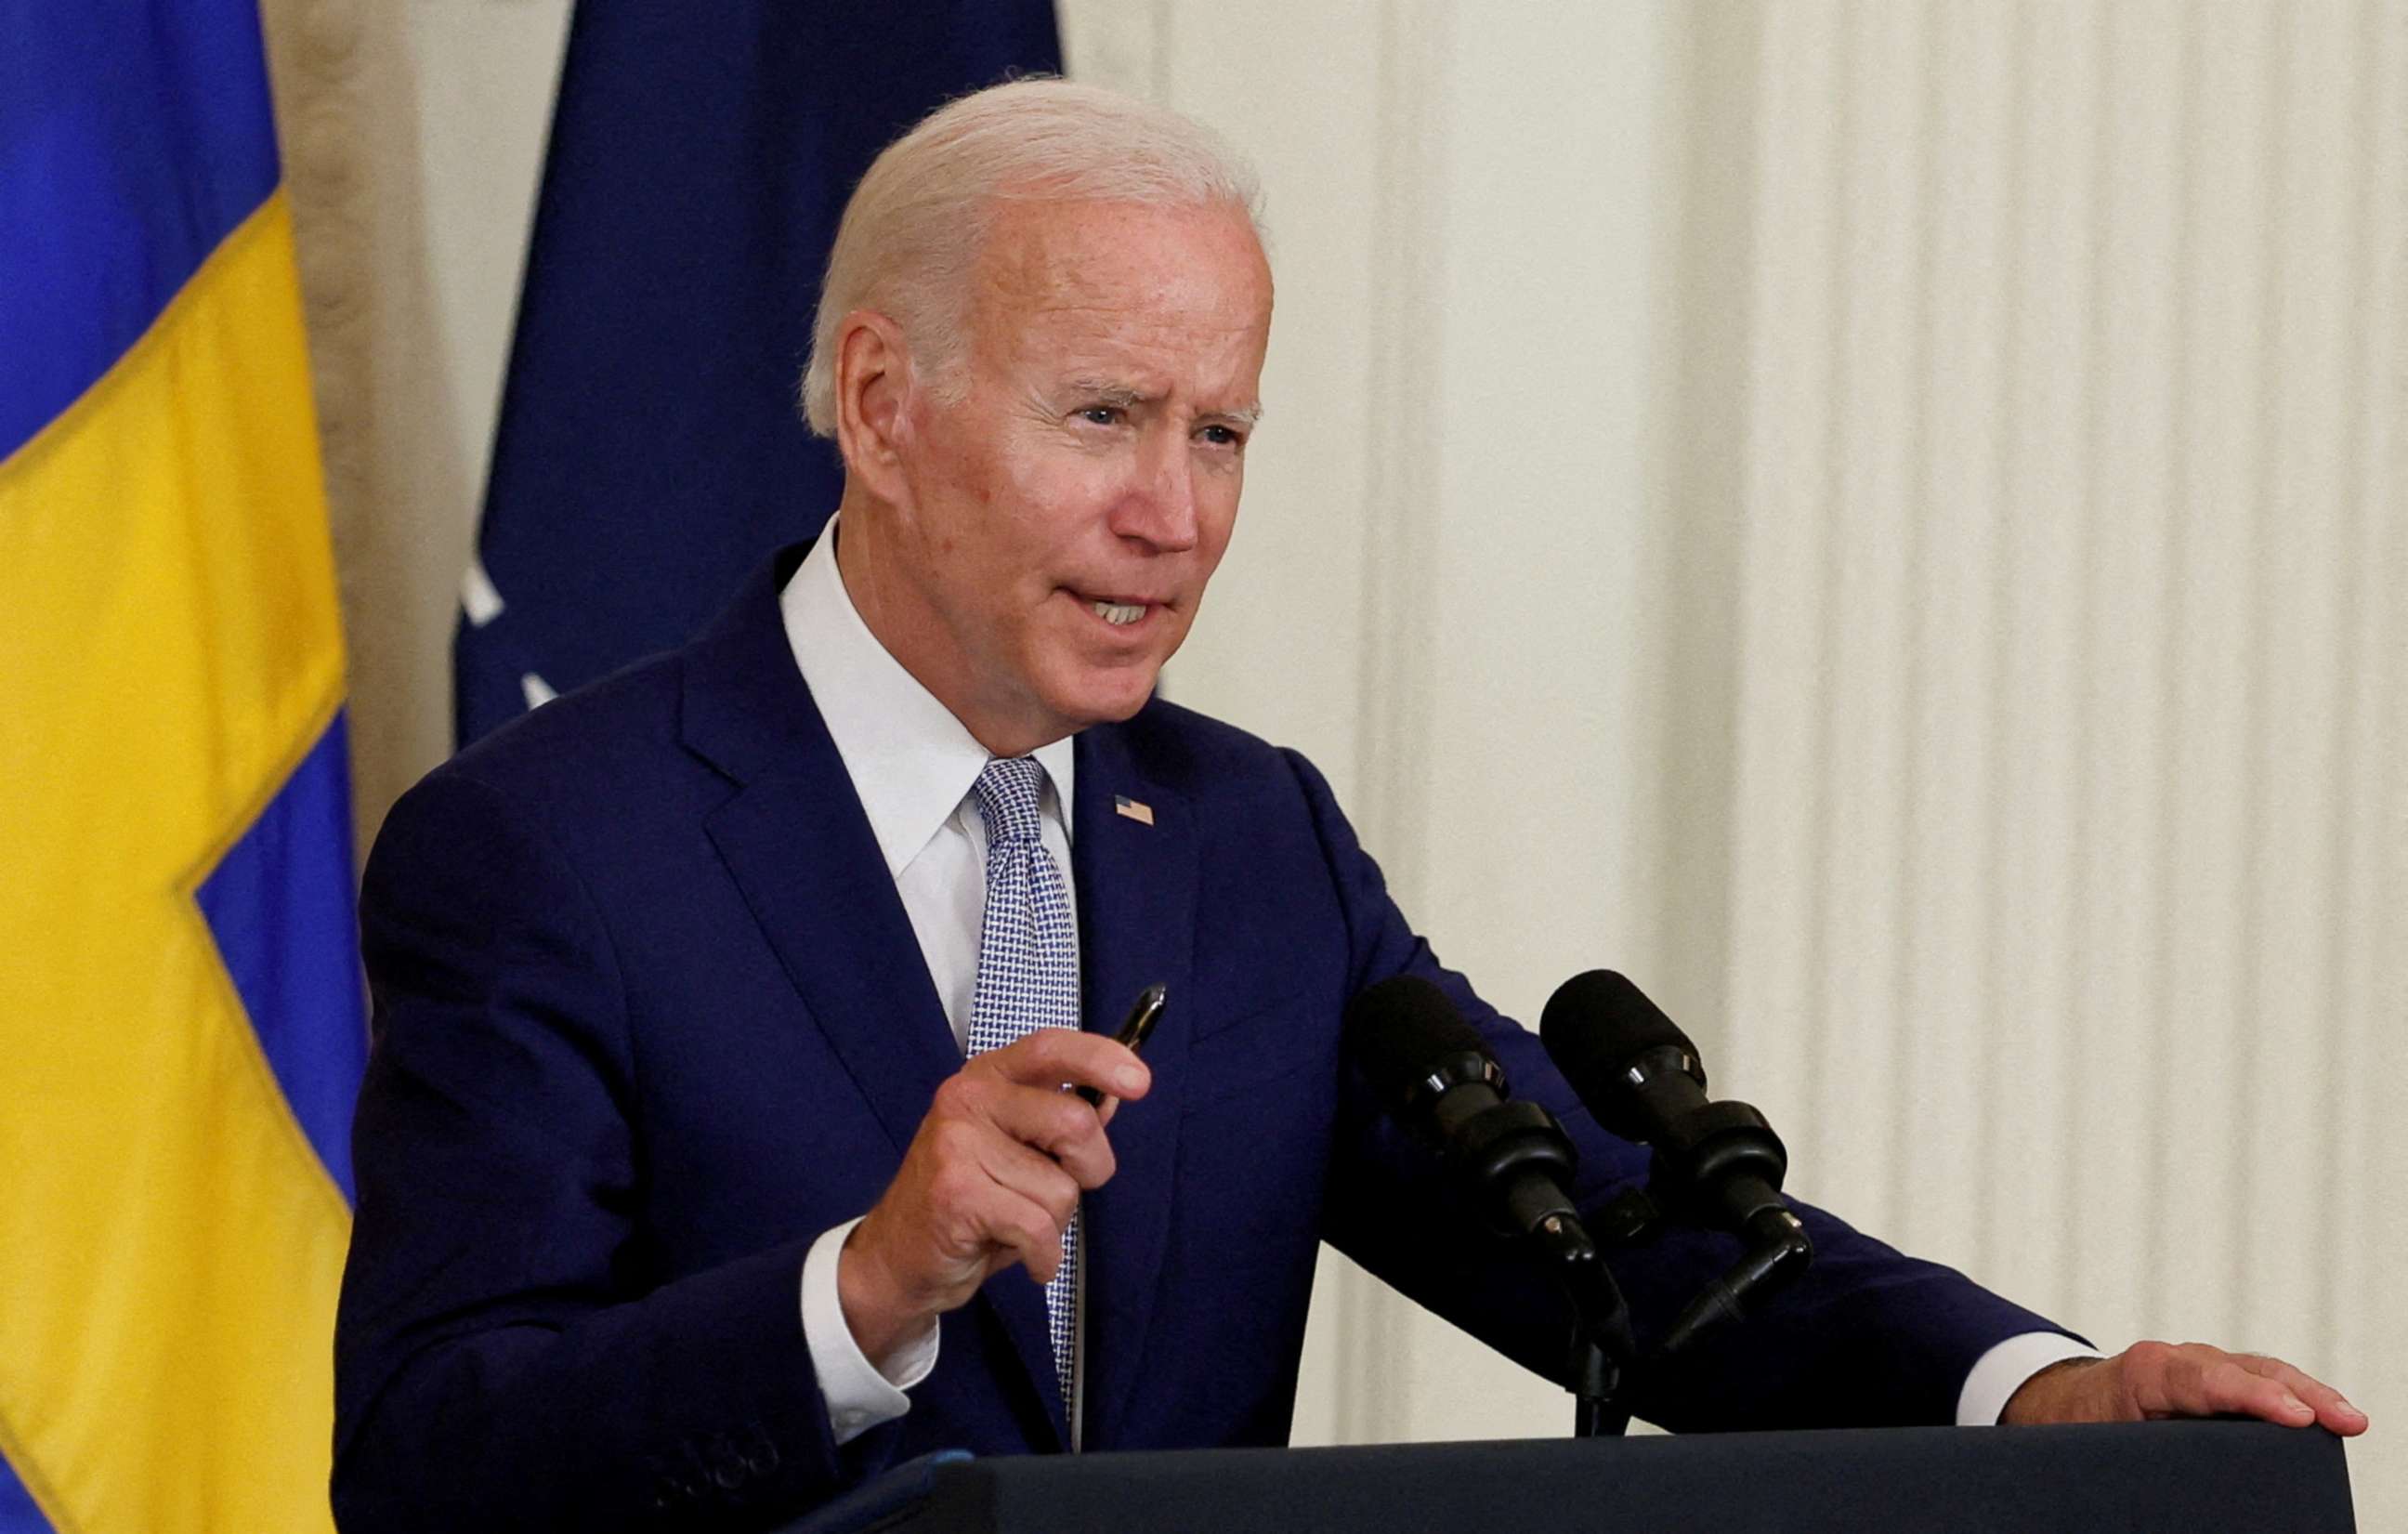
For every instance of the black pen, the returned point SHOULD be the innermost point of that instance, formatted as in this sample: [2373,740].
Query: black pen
[1141,1019]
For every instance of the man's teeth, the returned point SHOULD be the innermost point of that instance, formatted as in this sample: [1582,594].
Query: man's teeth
[1119,612]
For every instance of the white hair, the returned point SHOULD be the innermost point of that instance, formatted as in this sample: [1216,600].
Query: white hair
[914,227]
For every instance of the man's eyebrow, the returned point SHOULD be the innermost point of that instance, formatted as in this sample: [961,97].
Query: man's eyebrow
[1126,397]
[1106,393]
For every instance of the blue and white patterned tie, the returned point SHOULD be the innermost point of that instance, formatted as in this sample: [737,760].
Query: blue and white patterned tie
[1028,976]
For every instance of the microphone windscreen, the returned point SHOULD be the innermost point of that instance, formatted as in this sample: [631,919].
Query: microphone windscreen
[1400,1029]
[1597,1022]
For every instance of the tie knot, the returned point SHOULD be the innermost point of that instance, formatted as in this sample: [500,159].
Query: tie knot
[1007,791]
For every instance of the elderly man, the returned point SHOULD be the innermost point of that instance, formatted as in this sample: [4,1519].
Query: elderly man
[714,1153]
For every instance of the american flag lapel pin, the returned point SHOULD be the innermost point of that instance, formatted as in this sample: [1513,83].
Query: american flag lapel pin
[1136,810]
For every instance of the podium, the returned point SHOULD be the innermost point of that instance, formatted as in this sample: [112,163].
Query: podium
[2178,1477]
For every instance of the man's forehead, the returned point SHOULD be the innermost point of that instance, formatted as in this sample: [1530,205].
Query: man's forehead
[1055,253]
[1129,301]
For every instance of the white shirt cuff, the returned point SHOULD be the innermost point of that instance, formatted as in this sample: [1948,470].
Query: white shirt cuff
[858,1395]
[1998,1373]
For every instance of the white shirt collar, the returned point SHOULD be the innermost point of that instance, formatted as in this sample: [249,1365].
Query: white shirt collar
[912,762]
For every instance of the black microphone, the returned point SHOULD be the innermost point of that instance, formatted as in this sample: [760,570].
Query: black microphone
[1718,1163]
[1435,1076]
[1641,1075]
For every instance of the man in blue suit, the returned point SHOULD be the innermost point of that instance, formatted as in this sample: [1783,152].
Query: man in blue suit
[714,1153]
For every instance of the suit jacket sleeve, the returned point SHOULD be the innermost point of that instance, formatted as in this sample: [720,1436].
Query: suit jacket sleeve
[1868,1336]
[495,1366]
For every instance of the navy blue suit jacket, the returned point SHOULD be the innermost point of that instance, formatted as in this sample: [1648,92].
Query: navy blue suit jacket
[649,1017]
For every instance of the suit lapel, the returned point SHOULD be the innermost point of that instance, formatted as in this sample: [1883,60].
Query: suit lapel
[809,868]
[800,849]
[1137,923]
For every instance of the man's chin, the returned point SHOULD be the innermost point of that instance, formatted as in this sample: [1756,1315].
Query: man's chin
[1113,697]
[1113,710]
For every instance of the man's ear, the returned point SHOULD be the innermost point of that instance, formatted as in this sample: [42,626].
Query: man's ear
[873,394]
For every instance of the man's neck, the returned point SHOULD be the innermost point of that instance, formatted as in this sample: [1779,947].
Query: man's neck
[890,613]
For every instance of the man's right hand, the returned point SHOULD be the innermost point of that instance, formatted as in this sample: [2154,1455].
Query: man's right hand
[991,1179]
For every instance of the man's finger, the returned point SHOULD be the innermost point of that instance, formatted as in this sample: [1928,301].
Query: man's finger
[1024,1229]
[2230,1387]
[1057,1124]
[2332,1410]
[2197,1381]
[1063,1056]
[1035,1177]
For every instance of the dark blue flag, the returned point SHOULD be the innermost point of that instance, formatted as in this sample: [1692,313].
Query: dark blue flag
[649,452]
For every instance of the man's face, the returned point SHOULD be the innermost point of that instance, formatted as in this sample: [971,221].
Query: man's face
[1062,519]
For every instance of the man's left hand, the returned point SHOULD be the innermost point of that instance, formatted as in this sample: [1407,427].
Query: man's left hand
[2151,1380]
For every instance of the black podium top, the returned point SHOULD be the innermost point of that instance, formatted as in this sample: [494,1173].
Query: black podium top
[2182,1478]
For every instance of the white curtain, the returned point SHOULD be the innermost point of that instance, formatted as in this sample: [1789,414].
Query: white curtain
[1885,522]
[2067,826]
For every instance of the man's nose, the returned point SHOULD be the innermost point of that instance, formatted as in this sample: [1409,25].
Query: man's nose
[1160,508]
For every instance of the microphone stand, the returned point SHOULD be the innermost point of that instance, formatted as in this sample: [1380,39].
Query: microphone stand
[1602,1346]
[1596,1385]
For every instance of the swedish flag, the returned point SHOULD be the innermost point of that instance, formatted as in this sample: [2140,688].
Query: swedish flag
[180,1018]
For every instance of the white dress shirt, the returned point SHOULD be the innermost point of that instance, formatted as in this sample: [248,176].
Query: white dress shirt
[913,764]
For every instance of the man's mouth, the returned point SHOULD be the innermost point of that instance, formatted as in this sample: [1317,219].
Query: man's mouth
[1118,609]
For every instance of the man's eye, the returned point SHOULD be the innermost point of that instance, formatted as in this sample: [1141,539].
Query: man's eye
[1103,415]
[1224,436]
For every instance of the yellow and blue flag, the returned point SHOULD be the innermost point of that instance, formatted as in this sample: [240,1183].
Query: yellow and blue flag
[182,1027]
